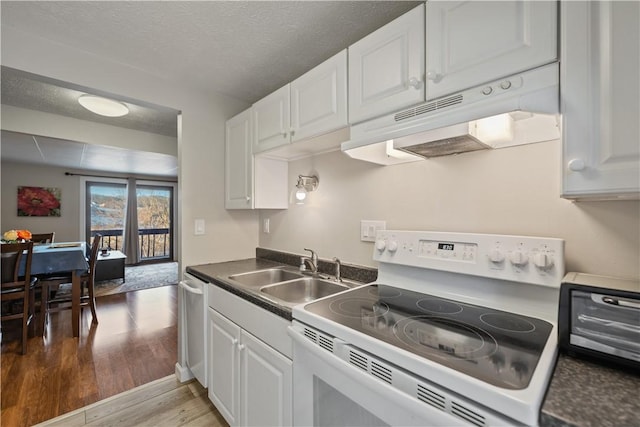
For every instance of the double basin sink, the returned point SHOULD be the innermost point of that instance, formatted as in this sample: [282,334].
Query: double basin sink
[287,287]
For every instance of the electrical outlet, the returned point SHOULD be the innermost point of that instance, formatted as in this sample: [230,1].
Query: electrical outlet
[265,226]
[368,229]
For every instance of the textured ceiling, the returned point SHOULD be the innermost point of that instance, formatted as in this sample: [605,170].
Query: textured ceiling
[242,49]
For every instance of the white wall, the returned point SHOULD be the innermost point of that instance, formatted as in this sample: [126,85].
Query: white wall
[229,235]
[66,226]
[508,191]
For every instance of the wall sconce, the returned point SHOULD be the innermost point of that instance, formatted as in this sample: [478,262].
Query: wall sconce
[305,184]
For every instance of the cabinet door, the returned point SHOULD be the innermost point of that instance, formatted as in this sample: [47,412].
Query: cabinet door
[271,122]
[319,99]
[238,164]
[266,378]
[224,363]
[600,99]
[473,42]
[386,68]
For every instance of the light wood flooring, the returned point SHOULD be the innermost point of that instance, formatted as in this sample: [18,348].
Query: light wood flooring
[164,402]
[134,343]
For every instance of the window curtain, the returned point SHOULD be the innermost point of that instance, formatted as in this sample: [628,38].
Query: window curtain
[131,241]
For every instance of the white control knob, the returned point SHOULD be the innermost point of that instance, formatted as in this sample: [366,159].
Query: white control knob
[542,260]
[380,245]
[496,256]
[518,258]
[392,246]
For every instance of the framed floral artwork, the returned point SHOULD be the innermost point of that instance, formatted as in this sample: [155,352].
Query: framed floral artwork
[38,201]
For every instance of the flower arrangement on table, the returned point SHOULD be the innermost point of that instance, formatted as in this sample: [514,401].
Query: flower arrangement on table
[16,236]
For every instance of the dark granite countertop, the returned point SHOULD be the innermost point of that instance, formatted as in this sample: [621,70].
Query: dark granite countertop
[216,273]
[587,394]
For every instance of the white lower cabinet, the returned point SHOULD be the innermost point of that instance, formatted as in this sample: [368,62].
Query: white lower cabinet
[249,382]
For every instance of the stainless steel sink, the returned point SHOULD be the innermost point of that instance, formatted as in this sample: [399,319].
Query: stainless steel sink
[264,277]
[303,290]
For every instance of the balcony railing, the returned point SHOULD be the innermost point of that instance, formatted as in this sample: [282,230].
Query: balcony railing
[154,243]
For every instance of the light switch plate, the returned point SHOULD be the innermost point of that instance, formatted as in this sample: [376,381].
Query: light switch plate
[369,228]
[199,227]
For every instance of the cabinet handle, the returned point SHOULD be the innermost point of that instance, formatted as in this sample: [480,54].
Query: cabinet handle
[434,76]
[248,198]
[240,347]
[415,83]
[284,134]
[576,165]
[234,341]
[293,132]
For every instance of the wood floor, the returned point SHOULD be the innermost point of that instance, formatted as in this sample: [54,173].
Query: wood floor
[134,343]
[164,402]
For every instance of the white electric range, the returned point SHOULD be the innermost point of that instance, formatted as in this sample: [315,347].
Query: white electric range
[458,329]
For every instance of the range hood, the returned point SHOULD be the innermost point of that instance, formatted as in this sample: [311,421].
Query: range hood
[515,110]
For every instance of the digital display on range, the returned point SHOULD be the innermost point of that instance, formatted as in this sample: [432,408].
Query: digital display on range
[445,246]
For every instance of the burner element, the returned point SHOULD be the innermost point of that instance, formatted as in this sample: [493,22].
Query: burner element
[507,322]
[384,292]
[440,306]
[357,307]
[451,338]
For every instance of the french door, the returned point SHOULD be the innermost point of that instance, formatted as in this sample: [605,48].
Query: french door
[106,214]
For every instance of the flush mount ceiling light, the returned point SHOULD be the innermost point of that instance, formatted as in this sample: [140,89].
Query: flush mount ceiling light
[305,185]
[103,106]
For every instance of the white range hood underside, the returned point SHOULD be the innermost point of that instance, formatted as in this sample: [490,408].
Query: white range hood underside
[525,113]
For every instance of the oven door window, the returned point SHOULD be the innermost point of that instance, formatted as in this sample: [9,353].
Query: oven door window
[333,408]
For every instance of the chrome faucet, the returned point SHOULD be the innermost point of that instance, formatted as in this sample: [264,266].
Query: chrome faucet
[338,264]
[313,262]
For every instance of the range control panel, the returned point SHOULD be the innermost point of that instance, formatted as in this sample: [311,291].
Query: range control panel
[536,260]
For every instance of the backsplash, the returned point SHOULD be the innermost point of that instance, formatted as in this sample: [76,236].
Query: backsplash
[348,271]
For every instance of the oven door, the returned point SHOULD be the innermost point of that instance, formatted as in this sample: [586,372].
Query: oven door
[328,391]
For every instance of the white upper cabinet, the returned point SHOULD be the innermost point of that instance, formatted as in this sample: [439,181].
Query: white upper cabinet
[271,122]
[251,182]
[238,162]
[473,42]
[299,119]
[319,99]
[600,99]
[386,68]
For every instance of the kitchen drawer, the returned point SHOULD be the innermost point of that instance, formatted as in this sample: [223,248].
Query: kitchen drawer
[269,327]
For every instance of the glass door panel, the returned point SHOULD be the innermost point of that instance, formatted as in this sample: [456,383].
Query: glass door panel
[106,213]
[155,217]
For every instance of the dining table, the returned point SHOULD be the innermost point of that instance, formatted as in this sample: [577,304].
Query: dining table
[62,258]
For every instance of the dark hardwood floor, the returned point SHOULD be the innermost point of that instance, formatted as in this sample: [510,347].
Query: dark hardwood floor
[135,342]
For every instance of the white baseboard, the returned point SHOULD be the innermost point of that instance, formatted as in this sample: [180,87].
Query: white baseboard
[183,373]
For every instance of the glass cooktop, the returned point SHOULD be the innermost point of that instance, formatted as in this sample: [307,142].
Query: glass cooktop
[494,346]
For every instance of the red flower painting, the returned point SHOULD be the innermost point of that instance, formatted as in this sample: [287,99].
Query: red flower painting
[38,201]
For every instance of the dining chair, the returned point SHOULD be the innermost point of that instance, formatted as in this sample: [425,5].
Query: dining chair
[62,301]
[43,237]
[17,291]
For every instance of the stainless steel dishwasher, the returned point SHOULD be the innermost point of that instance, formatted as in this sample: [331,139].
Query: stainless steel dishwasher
[193,297]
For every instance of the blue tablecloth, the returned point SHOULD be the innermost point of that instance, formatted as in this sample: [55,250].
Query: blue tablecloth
[52,258]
